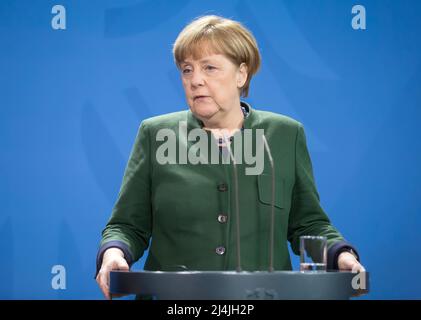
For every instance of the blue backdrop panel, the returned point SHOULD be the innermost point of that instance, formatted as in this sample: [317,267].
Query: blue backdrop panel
[71,101]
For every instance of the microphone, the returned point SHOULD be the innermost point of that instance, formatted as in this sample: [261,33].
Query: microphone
[237,209]
[272,204]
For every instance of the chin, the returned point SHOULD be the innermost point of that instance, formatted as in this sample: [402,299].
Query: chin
[204,111]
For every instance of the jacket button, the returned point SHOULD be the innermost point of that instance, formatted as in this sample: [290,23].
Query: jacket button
[222,218]
[220,251]
[222,187]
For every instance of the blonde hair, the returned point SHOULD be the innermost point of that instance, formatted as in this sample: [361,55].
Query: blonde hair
[213,34]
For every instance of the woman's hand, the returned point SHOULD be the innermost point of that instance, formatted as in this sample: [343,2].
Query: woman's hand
[348,262]
[113,259]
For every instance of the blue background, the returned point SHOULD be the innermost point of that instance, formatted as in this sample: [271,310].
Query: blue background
[71,102]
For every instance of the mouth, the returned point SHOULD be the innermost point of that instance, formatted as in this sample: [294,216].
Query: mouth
[200,97]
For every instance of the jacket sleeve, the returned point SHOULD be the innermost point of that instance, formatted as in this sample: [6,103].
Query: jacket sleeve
[131,220]
[307,217]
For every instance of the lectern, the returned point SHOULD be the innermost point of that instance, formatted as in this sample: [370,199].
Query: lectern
[231,285]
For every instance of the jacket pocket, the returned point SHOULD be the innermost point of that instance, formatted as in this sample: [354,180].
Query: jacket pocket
[264,184]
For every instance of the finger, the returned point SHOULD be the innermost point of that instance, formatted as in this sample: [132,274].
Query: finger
[103,283]
[357,267]
[105,290]
[107,285]
[122,265]
[346,265]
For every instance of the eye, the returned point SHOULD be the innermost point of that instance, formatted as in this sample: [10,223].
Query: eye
[186,71]
[210,68]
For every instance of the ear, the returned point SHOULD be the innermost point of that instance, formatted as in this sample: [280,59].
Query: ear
[242,75]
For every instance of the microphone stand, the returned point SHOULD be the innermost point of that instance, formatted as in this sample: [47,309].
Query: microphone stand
[272,205]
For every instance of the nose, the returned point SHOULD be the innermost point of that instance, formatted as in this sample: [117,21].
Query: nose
[197,79]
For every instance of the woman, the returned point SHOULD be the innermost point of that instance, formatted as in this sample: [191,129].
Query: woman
[187,209]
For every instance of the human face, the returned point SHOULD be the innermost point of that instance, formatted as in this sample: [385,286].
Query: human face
[212,86]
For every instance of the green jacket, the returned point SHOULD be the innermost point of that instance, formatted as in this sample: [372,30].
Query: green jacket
[186,212]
